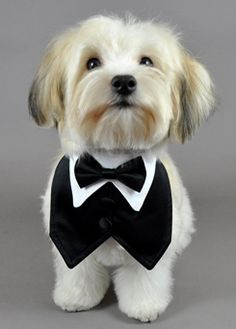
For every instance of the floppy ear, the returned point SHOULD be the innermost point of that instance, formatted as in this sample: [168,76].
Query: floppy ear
[46,97]
[193,99]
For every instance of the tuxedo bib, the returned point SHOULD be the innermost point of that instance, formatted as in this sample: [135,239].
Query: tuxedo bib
[77,231]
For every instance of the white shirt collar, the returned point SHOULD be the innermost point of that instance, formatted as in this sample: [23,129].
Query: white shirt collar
[134,198]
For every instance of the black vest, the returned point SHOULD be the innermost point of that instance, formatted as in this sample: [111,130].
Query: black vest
[77,232]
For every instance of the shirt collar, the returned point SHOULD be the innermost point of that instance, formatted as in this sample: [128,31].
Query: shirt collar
[134,198]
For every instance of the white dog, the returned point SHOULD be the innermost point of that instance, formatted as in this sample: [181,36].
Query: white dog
[117,89]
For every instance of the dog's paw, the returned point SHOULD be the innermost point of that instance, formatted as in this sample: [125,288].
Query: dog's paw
[72,300]
[143,311]
[75,300]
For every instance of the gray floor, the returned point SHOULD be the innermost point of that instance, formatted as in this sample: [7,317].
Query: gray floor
[205,285]
[205,288]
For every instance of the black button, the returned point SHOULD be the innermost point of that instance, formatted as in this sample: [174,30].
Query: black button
[105,223]
[108,201]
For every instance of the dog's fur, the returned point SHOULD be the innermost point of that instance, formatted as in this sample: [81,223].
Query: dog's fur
[173,97]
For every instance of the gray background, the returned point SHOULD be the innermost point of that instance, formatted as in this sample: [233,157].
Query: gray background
[205,289]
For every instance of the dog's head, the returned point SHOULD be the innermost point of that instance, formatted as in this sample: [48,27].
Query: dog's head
[120,84]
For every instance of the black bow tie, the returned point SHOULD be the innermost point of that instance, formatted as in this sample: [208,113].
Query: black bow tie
[131,173]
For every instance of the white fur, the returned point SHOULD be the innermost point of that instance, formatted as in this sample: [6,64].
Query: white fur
[141,294]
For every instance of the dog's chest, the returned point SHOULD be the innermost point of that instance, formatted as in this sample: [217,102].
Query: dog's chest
[78,231]
[111,253]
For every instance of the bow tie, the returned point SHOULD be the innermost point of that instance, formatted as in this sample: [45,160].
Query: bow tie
[131,173]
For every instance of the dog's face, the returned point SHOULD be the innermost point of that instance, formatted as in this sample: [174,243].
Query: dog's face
[113,84]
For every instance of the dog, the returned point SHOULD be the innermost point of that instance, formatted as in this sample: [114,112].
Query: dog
[119,89]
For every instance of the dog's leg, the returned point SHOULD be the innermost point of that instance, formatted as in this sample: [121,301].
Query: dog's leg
[144,294]
[80,288]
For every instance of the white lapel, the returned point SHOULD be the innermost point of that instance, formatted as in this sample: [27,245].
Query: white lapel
[134,198]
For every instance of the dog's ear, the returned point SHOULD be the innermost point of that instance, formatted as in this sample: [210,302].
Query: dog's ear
[46,97]
[193,98]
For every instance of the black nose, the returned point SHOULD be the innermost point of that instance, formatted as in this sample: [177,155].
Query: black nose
[124,84]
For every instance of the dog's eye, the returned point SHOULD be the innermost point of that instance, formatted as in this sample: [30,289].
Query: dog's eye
[92,63]
[146,61]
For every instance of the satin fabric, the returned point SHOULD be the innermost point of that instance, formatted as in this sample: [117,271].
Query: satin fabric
[77,232]
[132,173]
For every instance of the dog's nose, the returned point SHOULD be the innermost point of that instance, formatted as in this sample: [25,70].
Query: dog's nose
[124,84]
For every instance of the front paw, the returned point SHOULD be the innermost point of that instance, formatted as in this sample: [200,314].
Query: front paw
[143,311]
[74,299]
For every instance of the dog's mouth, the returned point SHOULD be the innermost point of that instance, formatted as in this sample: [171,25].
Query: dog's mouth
[122,104]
